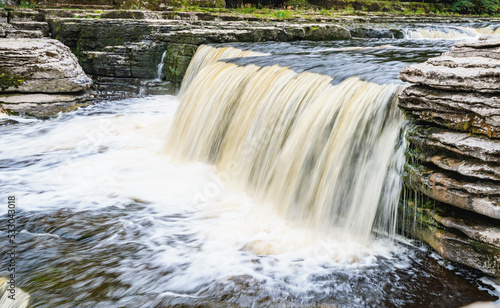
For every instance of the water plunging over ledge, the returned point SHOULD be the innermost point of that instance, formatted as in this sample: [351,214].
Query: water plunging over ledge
[106,219]
[318,152]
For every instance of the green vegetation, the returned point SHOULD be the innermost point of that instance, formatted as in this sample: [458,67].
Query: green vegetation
[27,5]
[308,9]
[476,6]
[8,80]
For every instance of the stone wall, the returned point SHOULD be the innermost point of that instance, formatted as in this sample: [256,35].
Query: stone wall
[453,155]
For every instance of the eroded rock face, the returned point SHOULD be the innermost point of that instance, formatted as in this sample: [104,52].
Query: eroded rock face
[473,112]
[40,66]
[453,154]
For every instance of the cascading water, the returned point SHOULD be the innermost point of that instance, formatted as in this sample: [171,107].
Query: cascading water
[450,33]
[318,153]
[159,70]
[106,219]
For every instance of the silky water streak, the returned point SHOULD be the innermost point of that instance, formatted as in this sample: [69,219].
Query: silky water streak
[318,153]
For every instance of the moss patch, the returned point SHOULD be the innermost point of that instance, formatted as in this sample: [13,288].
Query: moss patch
[8,80]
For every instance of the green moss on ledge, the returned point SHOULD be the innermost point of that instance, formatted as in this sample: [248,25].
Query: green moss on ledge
[8,80]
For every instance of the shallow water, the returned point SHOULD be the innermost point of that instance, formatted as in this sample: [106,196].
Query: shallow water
[376,60]
[106,219]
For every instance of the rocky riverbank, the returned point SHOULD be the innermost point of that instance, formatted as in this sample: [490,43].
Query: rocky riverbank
[454,152]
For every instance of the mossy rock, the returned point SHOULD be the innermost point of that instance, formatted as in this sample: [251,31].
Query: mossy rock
[177,59]
[8,80]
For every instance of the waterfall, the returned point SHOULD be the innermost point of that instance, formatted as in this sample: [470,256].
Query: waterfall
[159,69]
[316,152]
[206,55]
[450,33]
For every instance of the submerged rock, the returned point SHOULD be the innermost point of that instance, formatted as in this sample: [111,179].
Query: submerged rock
[40,66]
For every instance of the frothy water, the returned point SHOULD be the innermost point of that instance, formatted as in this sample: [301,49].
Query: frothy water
[449,33]
[107,219]
[315,152]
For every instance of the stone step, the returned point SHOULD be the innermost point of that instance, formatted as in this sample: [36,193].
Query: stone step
[32,25]
[25,15]
[24,34]
[4,16]
[4,29]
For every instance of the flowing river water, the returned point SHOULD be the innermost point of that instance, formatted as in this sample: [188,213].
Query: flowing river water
[271,180]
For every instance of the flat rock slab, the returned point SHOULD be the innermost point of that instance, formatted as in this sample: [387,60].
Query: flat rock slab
[482,197]
[42,105]
[469,167]
[469,66]
[40,66]
[463,144]
[472,112]
[467,74]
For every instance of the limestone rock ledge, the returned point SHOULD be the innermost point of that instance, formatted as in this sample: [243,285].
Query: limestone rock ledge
[40,66]
[453,150]
[470,71]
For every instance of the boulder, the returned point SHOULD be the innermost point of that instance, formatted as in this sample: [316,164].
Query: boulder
[40,66]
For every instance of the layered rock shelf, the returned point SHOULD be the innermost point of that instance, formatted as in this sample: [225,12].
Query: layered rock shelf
[44,66]
[453,155]
[33,72]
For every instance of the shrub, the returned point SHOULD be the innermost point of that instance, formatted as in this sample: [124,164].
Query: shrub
[476,6]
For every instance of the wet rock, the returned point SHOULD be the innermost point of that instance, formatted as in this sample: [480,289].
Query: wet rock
[42,105]
[466,167]
[177,60]
[479,196]
[454,159]
[465,145]
[473,112]
[455,234]
[40,66]
[481,232]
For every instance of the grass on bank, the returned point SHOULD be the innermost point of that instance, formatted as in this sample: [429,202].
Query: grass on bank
[296,9]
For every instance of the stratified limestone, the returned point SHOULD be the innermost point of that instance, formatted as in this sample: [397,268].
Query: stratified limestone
[40,66]
[482,197]
[457,235]
[42,105]
[465,145]
[455,158]
[473,112]
[445,72]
